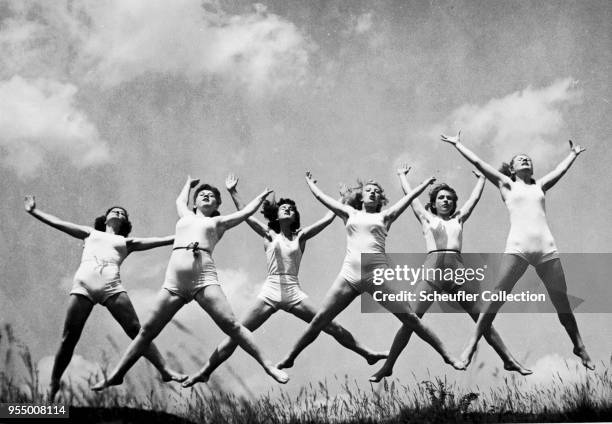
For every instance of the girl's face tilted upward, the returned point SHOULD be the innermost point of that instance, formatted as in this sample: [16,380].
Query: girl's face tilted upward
[445,202]
[206,200]
[372,195]
[286,212]
[119,214]
[522,163]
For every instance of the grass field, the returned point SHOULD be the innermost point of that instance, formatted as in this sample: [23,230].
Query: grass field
[434,400]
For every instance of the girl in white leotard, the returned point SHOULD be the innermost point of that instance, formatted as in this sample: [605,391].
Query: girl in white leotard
[191,274]
[530,241]
[284,243]
[97,280]
[442,226]
[367,226]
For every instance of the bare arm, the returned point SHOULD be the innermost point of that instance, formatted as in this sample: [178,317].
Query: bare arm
[468,206]
[338,208]
[489,171]
[75,230]
[314,229]
[392,213]
[182,200]
[550,179]
[145,243]
[231,220]
[230,183]
[417,207]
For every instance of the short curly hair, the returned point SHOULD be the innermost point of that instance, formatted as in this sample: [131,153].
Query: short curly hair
[126,226]
[354,196]
[433,194]
[215,192]
[269,209]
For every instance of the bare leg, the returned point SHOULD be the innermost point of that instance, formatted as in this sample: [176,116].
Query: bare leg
[121,308]
[213,301]
[306,312]
[493,338]
[551,273]
[166,306]
[402,337]
[79,308]
[255,317]
[339,296]
[410,319]
[511,270]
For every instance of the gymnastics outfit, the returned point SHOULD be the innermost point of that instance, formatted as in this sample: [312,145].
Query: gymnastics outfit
[443,239]
[282,290]
[97,277]
[530,237]
[365,233]
[191,267]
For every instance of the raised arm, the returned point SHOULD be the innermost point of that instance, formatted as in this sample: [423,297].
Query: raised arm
[550,179]
[392,213]
[417,207]
[314,229]
[182,201]
[75,230]
[135,244]
[468,206]
[337,207]
[489,171]
[231,220]
[230,183]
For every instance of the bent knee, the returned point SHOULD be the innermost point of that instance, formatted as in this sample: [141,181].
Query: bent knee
[231,327]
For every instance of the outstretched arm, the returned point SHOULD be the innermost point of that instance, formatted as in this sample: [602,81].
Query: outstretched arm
[75,230]
[230,183]
[550,179]
[417,207]
[182,200]
[489,171]
[468,206]
[338,208]
[314,229]
[231,220]
[392,213]
[145,243]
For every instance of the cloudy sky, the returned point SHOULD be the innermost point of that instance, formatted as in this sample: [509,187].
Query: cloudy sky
[115,102]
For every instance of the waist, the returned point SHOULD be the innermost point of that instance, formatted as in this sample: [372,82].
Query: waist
[282,279]
[194,247]
[444,251]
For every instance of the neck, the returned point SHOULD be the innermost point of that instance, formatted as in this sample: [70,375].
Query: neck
[207,212]
[524,176]
[369,208]
[110,228]
[285,229]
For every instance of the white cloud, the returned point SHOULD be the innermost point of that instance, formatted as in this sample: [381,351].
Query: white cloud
[526,121]
[116,41]
[364,23]
[38,118]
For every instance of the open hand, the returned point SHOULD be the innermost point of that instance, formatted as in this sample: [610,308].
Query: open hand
[452,140]
[576,148]
[230,182]
[29,203]
[403,169]
[192,182]
[310,178]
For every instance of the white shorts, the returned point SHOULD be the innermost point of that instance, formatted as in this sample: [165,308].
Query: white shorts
[282,292]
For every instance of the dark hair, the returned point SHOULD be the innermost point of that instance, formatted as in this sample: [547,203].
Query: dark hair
[433,194]
[354,196]
[506,169]
[126,226]
[269,209]
[215,192]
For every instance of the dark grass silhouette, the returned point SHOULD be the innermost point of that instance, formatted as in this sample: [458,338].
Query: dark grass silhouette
[143,398]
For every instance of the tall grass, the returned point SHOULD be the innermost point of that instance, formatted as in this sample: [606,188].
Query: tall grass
[435,400]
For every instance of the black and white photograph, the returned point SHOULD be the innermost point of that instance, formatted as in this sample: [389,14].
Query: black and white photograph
[284,211]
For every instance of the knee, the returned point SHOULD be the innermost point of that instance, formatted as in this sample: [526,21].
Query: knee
[231,327]
[333,328]
[410,320]
[147,332]
[132,329]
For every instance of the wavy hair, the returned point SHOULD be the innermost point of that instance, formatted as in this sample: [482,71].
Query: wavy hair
[506,169]
[433,194]
[126,226]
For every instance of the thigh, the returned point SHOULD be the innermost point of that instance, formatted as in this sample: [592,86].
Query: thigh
[213,300]
[552,275]
[421,306]
[511,269]
[121,308]
[305,310]
[337,298]
[79,308]
[257,314]
[166,305]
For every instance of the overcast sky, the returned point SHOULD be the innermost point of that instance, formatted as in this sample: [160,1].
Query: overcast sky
[115,102]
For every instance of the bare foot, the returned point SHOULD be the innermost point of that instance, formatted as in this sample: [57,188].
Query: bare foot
[380,374]
[276,373]
[515,366]
[374,357]
[54,387]
[584,356]
[466,356]
[171,375]
[456,363]
[194,379]
[104,383]
[285,363]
